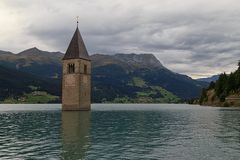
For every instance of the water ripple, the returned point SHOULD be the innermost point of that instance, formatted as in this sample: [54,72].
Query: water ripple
[120,132]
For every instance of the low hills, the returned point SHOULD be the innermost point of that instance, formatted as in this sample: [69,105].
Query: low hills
[120,78]
[33,61]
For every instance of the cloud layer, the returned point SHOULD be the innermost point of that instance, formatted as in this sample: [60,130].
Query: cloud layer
[194,37]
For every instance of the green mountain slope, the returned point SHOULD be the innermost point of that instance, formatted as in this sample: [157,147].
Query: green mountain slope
[14,84]
[113,73]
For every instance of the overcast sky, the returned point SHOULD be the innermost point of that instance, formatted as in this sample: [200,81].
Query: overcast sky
[194,37]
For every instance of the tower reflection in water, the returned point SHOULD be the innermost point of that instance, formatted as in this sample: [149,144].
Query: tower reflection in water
[75,134]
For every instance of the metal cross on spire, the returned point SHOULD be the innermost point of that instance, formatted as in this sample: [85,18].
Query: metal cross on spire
[77,20]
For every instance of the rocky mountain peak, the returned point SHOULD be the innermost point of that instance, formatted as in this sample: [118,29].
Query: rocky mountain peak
[140,60]
[30,51]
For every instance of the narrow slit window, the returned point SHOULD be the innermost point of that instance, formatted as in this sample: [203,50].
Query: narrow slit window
[85,69]
[68,68]
[73,68]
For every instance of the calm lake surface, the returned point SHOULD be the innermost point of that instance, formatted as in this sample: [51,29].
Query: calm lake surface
[172,132]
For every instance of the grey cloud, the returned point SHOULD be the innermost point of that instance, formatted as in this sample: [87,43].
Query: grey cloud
[198,38]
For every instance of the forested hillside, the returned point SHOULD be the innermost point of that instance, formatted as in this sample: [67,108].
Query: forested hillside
[224,92]
[17,86]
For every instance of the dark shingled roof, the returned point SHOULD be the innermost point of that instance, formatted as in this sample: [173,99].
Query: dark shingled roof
[76,48]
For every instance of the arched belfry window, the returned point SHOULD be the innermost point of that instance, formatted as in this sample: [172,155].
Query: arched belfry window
[71,68]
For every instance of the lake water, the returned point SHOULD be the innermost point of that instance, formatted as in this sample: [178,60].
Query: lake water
[171,132]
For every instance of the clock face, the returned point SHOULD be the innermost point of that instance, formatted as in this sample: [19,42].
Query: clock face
[70,80]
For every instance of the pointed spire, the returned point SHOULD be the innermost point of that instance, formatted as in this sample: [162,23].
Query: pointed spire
[76,48]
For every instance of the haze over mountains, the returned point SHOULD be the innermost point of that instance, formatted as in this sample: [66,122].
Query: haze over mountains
[213,78]
[115,78]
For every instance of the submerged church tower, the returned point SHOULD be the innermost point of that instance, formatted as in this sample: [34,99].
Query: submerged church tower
[76,82]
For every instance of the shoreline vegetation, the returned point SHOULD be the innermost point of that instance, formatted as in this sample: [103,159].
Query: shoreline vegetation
[225,92]
[154,95]
[36,97]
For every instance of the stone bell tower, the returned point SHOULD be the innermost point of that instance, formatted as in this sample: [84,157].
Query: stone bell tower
[76,82]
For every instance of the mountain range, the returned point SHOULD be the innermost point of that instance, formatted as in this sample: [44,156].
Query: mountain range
[213,78]
[138,78]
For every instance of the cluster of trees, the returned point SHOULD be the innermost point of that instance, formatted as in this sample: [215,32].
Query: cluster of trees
[225,85]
